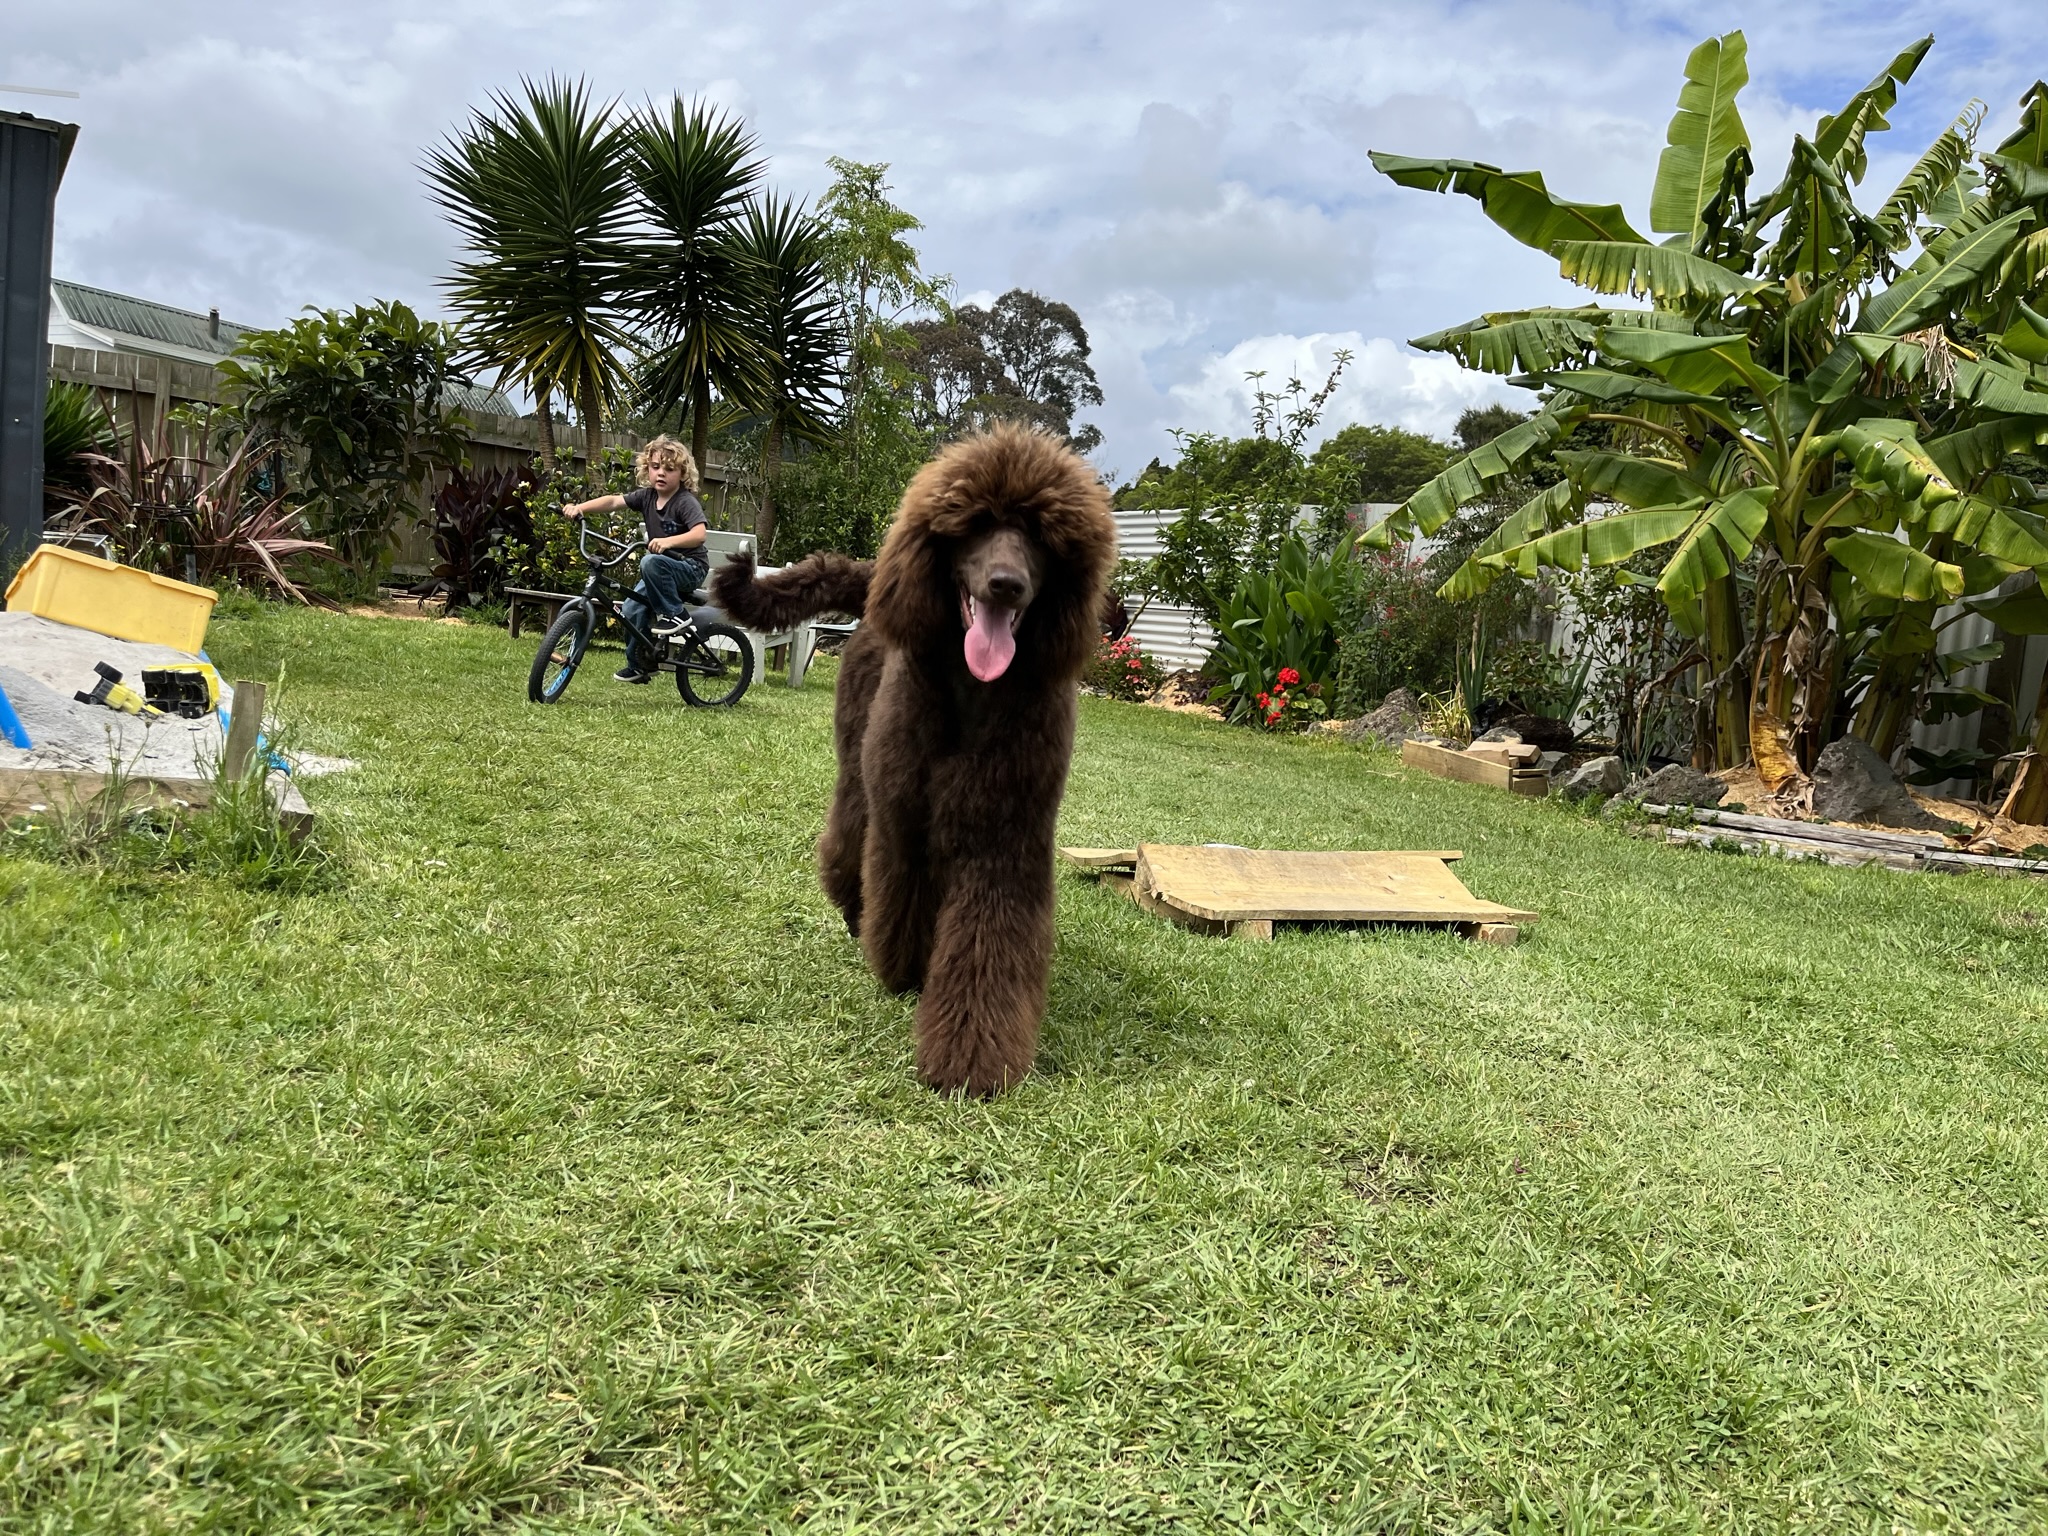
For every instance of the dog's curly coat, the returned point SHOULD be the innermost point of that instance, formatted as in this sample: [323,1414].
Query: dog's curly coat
[939,846]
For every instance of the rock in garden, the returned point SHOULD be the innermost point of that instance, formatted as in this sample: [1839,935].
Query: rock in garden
[1398,717]
[1497,733]
[1551,735]
[1852,783]
[1553,763]
[1602,776]
[1677,784]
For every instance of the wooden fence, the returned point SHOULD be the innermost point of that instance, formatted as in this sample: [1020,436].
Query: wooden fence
[139,393]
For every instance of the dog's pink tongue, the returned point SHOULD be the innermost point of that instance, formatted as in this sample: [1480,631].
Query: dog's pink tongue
[990,645]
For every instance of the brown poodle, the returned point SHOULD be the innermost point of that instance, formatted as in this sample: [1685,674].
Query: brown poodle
[954,723]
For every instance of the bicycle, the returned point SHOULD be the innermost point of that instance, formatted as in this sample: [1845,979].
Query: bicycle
[713,661]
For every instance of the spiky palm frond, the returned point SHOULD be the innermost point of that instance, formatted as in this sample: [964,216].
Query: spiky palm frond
[537,186]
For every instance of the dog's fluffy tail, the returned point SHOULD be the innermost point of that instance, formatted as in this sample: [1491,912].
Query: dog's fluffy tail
[822,584]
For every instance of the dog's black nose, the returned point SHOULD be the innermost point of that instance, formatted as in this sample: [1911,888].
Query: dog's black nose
[1005,586]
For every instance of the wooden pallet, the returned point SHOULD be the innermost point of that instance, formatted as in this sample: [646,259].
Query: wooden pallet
[1243,892]
[1469,769]
[26,791]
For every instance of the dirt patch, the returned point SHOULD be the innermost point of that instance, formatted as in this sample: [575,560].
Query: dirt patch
[1982,831]
[1185,692]
[403,608]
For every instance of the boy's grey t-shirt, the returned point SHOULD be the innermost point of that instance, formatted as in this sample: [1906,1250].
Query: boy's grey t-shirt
[682,513]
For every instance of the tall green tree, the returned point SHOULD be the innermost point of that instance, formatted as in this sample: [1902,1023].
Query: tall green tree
[1816,416]
[694,281]
[537,186]
[878,284]
[793,326]
[356,399]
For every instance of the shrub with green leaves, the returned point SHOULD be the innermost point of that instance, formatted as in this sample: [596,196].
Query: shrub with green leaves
[1282,620]
[1123,670]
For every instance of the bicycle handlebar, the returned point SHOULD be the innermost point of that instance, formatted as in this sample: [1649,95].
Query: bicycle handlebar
[625,547]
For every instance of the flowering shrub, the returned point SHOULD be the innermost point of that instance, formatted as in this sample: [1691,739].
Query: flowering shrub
[1290,703]
[1123,671]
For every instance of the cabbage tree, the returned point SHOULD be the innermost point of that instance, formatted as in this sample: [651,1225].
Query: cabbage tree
[1821,416]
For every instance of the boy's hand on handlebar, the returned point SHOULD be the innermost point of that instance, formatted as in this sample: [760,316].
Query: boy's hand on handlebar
[573,510]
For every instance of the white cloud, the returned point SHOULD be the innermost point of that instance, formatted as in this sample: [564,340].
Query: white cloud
[1192,178]
[1384,382]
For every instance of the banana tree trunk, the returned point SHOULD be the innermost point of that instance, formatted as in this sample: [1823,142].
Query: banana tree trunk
[2028,801]
[771,465]
[1723,615]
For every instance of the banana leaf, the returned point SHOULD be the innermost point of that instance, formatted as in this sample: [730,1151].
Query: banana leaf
[1467,479]
[1535,517]
[1703,364]
[1924,289]
[1662,272]
[1840,137]
[1887,456]
[1609,387]
[1706,129]
[1719,539]
[1890,569]
[1515,200]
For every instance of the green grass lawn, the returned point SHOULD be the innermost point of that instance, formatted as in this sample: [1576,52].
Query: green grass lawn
[562,1169]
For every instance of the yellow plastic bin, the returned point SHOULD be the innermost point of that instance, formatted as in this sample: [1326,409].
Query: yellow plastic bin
[110,599]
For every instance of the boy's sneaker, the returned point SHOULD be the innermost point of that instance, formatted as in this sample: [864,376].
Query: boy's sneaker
[630,674]
[669,625]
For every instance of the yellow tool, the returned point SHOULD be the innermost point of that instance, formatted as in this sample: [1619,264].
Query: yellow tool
[115,694]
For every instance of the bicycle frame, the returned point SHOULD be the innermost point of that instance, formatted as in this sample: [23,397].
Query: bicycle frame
[606,594]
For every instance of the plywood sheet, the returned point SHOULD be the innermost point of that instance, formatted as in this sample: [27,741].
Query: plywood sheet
[1251,884]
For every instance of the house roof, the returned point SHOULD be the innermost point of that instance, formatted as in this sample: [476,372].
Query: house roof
[138,325]
[118,322]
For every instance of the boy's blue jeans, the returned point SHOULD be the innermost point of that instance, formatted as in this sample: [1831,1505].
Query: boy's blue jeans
[666,582]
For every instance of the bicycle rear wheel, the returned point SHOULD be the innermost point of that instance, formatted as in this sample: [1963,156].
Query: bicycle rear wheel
[560,653]
[714,667]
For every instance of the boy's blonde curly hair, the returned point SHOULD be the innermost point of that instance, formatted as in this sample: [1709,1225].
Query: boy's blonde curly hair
[665,450]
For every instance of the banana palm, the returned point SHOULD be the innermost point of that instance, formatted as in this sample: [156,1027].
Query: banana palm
[537,186]
[1822,440]
[694,282]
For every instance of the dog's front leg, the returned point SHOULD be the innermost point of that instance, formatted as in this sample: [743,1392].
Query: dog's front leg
[898,889]
[984,997]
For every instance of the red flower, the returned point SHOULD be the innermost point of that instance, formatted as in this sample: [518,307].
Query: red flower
[1289,675]
[1264,700]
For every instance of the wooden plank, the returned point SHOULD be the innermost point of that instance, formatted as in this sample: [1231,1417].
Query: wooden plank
[26,789]
[1469,769]
[1516,754]
[23,790]
[1461,766]
[1816,831]
[1848,855]
[1990,863]
[1503,934]
[1144,898]
[1100,858]
[1241,884]
[245,724]
[1257,930]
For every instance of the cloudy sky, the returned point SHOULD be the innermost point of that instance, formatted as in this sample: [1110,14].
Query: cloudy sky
[1192,177]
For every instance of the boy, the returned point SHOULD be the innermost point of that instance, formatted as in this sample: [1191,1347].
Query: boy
[674,565]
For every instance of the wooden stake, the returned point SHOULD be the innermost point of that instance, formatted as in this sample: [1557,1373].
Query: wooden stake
[245,724]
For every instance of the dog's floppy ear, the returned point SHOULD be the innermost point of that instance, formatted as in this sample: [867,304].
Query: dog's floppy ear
[912,599]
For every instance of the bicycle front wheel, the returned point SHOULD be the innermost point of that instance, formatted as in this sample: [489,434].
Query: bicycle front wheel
[715,667]
[560,653]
